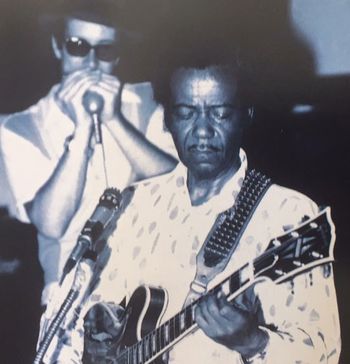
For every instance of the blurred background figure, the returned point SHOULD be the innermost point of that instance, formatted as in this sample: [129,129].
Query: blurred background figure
[55,171]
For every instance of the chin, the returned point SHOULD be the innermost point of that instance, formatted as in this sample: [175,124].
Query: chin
[204,170]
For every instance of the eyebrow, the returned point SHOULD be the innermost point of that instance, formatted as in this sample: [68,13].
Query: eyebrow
[225,104]
[184,105]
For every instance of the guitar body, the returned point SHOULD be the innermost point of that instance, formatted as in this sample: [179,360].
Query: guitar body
[145,310]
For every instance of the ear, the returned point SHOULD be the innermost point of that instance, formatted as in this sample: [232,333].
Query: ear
[166,119]
[57,50]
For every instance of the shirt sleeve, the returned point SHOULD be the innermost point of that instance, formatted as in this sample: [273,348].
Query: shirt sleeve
[26,167]
[301,314]
[301,319]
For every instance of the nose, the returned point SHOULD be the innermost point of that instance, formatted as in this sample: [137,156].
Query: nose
[92,60]
[203,127]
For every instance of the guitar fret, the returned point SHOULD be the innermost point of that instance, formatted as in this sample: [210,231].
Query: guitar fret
[182,321]
[192,312]
[162,337]
[129,356]
[154,342]
[172,329]
[177,326]
[134,354]
[131,352]
[166,329]
[188,317]
[234,282]
[145,347]
[158,341]
[139,353]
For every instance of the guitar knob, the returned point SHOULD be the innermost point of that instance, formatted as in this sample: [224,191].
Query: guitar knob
[297,263]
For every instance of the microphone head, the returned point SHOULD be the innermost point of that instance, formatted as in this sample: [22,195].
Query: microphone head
[93,102]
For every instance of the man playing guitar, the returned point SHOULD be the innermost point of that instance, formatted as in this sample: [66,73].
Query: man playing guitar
[159,241]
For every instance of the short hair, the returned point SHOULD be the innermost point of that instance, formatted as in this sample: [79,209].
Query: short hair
[201,55]
[104,12]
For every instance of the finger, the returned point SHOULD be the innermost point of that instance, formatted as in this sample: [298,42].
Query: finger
[211,313]
[80,86]
[113,83]
[247,300]
[227,312]
[76,76]
[202,323]
[112,89]
[213,308]
[211,327]
[200,317]
[109,78]
[110,81]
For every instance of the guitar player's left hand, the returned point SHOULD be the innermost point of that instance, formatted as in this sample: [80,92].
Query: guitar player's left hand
[235,325]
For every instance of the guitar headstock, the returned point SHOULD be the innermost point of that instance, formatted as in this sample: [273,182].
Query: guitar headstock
[309,245]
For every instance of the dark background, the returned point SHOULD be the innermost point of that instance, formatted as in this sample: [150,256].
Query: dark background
[308,151]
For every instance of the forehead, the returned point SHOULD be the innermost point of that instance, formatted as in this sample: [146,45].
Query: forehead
[92,32]
[212,84]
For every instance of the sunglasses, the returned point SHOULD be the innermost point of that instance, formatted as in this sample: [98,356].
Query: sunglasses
[79,47]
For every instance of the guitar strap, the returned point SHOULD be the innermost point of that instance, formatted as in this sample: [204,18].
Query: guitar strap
[226,233]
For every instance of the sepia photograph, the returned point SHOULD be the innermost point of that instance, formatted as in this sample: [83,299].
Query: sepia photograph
[174,181]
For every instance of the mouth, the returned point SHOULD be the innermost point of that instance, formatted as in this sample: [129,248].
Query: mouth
[203,148]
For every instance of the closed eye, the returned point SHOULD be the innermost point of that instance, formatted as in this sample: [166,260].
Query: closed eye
[184,112]
[221,112]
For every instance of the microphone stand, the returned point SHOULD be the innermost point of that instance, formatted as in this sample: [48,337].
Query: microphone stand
[93,104]
[100,145]
[76,294]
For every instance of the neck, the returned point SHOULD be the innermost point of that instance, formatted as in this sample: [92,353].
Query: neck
[201,189]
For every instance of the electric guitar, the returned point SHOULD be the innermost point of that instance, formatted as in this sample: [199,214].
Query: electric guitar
[144,340]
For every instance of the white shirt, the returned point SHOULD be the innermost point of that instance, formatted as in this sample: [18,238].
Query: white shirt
[33,141]
[156,243]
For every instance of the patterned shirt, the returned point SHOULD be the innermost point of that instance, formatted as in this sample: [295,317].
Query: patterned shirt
[156,243]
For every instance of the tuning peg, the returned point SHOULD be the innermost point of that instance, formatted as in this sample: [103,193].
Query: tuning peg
[276,243]
[297,263]
[316,255]
[279,272]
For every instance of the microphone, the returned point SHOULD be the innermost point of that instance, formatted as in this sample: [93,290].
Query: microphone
[104,214]
[93,104]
